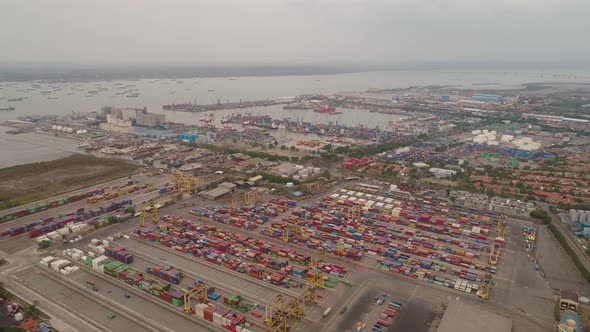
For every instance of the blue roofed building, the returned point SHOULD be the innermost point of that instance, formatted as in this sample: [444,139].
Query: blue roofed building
[487,98]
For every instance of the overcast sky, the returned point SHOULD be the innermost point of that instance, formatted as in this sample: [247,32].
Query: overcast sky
[293,31]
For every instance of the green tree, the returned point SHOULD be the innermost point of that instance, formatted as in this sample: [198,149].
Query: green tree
[130,209]
[293,148]
[44,244]
[326,174]
[283,147]
[31,310]
[113,220]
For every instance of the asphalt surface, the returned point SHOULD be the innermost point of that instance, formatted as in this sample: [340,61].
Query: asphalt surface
[560,273]
[81,304]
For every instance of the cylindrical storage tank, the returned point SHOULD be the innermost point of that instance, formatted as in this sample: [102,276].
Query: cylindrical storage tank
[316,170]
[58,128]
[289,184]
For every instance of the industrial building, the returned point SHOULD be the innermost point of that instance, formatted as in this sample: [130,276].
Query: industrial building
[487,98]
[569,300]
[122,120]
[442,172]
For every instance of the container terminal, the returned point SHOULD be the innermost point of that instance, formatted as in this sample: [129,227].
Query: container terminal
[204,237]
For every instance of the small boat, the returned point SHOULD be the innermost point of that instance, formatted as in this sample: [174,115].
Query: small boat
[7,108]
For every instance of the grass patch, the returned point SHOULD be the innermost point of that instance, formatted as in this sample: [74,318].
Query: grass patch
[24,184]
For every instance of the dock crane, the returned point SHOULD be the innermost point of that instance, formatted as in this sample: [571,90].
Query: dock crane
[200,290]
[495,254]
[149,210]
[184,182]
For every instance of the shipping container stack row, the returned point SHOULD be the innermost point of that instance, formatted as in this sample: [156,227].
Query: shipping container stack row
[387,317]
[170,274]
[233,321]
[61,266]
[241,246]
[119,254]
[49,205]
[215,250]
[50,224]
[201,250]
[432,273]
[308,238]
[529,234]
[443,227]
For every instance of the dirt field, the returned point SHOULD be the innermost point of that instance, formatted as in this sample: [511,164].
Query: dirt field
[27,183]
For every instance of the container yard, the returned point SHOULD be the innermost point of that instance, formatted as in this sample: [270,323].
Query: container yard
[313,263]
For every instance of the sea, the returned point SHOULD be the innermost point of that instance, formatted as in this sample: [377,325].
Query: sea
[60,98]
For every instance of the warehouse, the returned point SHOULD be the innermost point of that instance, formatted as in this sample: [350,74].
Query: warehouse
[217,193]
[461,316]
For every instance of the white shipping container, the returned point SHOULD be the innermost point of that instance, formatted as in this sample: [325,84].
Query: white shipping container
[105,243]
[64,231]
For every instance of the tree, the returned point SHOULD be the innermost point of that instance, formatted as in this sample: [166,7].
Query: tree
[4,293]
[31,310]
[293,148]
[130,209]
[283,147]
[326,174]
[113,219]
[44,244]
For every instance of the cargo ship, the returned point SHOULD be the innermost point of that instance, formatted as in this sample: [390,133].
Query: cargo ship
[178,107]
[325,110]
[7,108]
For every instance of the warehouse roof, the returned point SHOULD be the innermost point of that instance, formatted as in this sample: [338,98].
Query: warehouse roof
[217,192]
[569,295]
[461,316]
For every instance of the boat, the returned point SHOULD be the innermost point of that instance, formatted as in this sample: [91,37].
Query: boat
[52,98]
[325,109]
[7,108]
[15,99]
[335,113]
[211,90]
[133,95]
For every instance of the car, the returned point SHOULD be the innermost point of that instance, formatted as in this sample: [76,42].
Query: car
[127,296]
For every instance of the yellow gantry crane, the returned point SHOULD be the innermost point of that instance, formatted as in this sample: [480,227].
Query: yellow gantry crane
[184,182]
[495,254]
[249,198]
[200,290]
[147,210]
[501,228]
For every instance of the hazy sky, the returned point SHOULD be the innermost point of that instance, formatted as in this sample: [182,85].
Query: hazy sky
[293,31]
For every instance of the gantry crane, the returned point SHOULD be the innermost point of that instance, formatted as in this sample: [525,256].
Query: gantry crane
[321,258]
[356,211]
[318,280]
[501,228]
[147,210]
[200,290]
[249,198]
[274,314]
[185,183]
[310,295]
[280,310]
[486,286]
[495,254]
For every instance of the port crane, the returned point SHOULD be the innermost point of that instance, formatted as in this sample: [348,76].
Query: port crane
[184,182]
[200,290]
[249,198]
[149,210]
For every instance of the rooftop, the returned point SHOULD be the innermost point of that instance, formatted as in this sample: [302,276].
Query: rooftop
[461,316]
